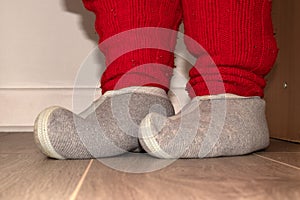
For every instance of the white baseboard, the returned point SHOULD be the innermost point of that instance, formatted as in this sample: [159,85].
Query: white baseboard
[20,106]
[16,129]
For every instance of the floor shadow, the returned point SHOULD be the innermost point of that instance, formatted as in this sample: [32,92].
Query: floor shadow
[87,18]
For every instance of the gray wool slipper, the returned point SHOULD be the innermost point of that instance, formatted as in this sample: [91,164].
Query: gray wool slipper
[109,127]
[224,126]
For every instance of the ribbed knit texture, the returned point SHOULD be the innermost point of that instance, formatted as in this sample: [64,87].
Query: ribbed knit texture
[116,16]
[238,36]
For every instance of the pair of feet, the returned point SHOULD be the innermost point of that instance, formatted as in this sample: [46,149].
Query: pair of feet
[143,117]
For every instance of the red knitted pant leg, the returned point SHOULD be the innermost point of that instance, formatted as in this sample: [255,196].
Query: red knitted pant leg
[238,37]
[144,66]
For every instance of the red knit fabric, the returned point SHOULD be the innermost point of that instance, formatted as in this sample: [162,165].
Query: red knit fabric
[133,68]
[238,36]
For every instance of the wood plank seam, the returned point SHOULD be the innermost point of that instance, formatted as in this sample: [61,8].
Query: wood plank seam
[276,161]
[80,183]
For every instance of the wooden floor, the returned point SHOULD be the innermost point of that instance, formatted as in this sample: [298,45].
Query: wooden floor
[26,174]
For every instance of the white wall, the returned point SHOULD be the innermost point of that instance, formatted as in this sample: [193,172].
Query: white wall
[43,44]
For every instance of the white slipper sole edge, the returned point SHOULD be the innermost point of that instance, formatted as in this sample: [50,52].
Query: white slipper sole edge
[41,134]
[148,138]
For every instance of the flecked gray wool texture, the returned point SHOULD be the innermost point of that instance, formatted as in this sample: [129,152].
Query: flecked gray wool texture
[209,128]
[110,130]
